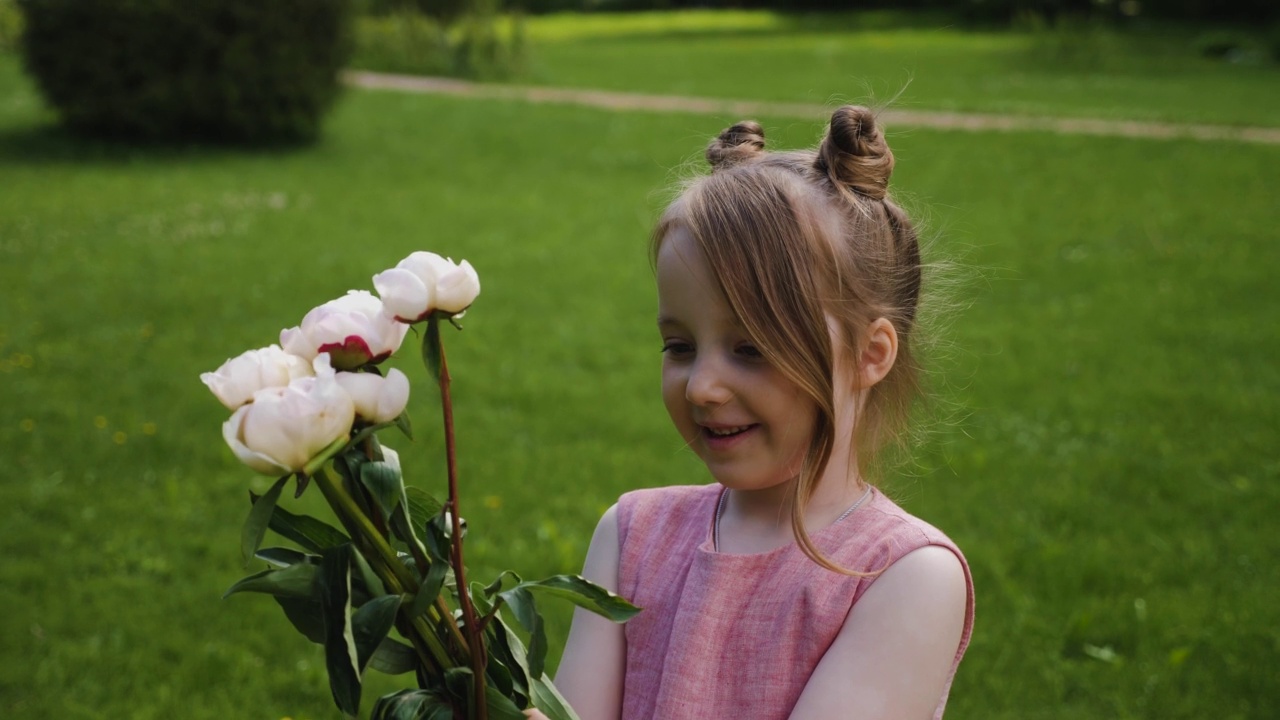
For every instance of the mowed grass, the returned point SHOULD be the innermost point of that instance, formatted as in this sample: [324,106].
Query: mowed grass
[1107,458]
[921,62]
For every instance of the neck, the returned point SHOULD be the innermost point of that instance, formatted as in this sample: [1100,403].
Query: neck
[755,520]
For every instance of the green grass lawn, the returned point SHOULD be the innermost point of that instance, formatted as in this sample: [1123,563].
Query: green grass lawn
[1107,461]
[1152,73]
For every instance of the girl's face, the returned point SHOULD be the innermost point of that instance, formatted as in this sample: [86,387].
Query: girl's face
[748,423]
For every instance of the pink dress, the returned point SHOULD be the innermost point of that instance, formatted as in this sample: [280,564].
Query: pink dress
[698,649]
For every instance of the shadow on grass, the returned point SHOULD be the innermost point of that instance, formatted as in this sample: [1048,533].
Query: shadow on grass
[47,144]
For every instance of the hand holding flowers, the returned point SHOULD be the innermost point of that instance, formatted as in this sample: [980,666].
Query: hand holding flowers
[389,589]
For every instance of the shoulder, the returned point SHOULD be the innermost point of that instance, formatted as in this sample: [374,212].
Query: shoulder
[889,533]
[894,516]
[932,574]
[900,643]
[601,566]
[671,496]
[651,508]
[916,568]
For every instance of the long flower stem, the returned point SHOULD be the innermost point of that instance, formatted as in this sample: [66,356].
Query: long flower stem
[384,562]
[475,641]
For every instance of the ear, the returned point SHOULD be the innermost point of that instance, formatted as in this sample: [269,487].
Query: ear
[879,354]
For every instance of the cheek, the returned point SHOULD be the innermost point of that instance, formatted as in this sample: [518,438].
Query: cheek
[673,397]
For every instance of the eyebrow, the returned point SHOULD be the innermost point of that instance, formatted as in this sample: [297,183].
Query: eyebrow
[667,321]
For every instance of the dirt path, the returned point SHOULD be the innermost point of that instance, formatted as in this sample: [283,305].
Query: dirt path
[738,109]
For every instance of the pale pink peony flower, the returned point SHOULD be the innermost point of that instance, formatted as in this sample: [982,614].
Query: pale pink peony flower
[284,427]
[425,282]
[235,382]
[377,399]
[353,329]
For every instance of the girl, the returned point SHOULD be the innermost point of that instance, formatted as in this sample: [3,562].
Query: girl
[789,588]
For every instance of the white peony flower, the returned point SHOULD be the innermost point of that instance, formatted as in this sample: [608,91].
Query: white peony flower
[353,329]
[235,382]
[377,399]
[458,288]
[425,282]
[284,427]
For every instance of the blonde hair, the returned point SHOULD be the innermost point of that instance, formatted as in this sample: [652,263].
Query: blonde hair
[797,240]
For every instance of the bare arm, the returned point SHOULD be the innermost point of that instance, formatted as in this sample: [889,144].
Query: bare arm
[893,654]
[594,662]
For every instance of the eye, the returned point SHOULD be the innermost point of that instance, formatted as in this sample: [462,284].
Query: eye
[677,348]
[751,352]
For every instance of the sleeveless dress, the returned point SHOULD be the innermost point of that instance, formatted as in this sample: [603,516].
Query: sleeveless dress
[704,612]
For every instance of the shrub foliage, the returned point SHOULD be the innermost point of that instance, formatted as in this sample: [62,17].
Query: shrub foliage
[221,69]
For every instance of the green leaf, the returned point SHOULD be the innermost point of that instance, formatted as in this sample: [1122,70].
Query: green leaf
[422,504]
[526,612]
[393,657]
[402,528]
[500,706]
[308,532]
[479,600]
[505,647]
[402,422]
[284,557]
[429,590]
[306,616]
[370,625]
[549,700]
[411,705]
[339,642]
[295,581]
[496,585]
[457,680]
[437,540]
[383,481]
[584,594]
[255,526]
[431,347]
[366,579]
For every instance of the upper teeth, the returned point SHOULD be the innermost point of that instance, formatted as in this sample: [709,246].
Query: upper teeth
[727,431]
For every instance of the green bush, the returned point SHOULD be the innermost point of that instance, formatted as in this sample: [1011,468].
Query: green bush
[476,46]
[403,42]
[10,26]
[240,70]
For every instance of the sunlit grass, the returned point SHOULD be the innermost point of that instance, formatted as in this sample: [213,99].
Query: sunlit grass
[926,62]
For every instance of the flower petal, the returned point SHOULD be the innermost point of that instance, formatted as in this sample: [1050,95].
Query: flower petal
[232,433]
[405,296]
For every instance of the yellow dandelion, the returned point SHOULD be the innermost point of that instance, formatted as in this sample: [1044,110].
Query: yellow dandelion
[100,422]
[118,437]
[148,428]
[493,502]
[27,425]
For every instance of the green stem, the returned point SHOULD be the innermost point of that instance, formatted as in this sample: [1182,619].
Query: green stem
[385,563]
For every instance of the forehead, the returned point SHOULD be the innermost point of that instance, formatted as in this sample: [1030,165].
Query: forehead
[687,288]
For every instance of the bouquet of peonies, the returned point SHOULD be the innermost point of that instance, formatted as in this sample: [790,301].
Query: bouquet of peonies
[388,589]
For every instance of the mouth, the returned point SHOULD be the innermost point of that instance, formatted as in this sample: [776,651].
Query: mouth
[725,436]
[727,431]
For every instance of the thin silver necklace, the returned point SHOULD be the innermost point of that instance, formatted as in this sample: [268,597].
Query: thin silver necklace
[715,527]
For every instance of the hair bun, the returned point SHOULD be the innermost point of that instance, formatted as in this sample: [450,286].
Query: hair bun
[736,143]
[854,153]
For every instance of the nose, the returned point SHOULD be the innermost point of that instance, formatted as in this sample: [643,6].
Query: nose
[708,384]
